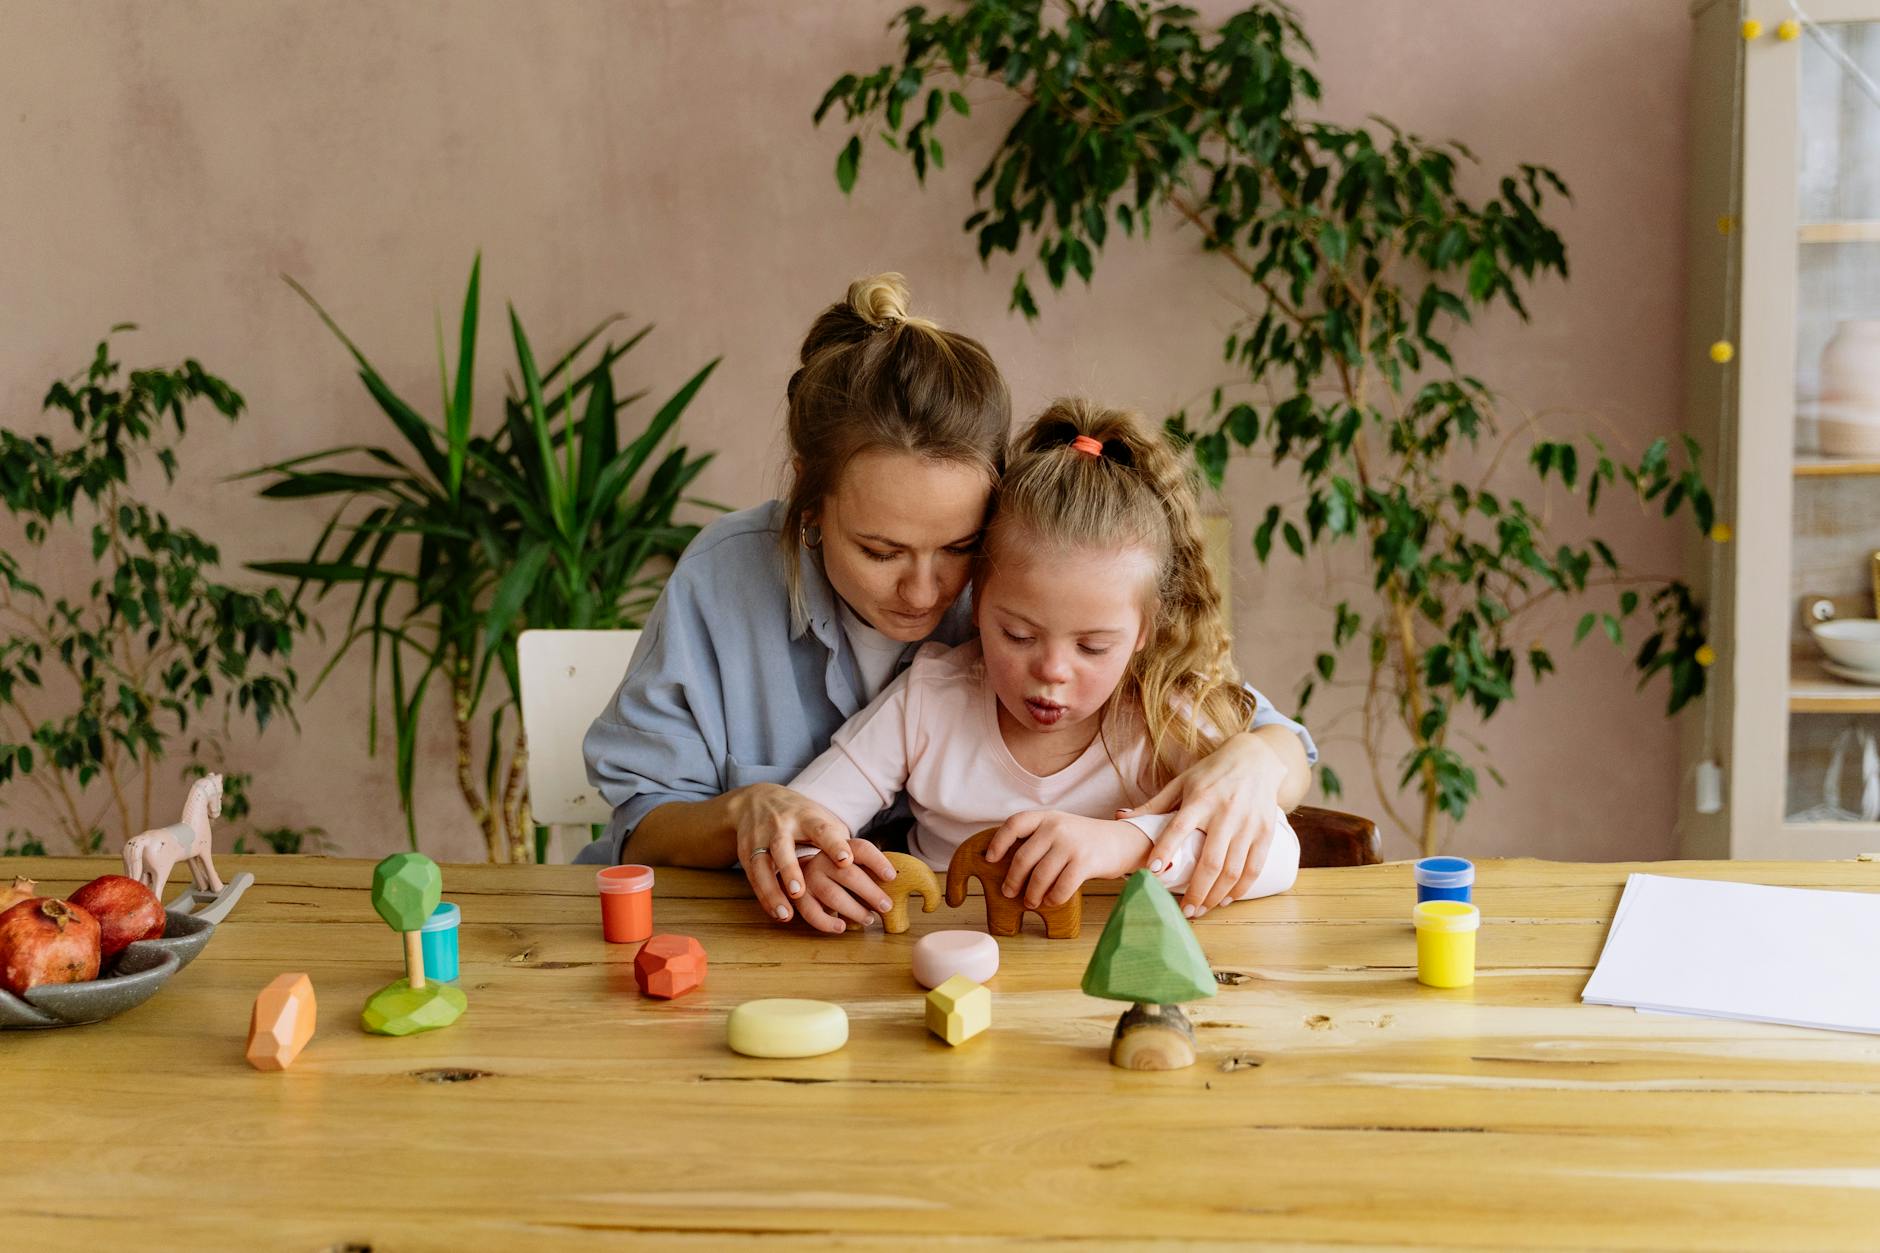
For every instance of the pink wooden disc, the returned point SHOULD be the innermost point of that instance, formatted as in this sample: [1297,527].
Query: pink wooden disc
[939,955]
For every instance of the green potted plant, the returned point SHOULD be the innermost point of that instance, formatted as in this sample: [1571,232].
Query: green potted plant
[453,542]
[1361,255]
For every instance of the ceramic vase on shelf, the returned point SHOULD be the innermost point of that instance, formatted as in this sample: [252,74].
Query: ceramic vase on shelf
[1850,391]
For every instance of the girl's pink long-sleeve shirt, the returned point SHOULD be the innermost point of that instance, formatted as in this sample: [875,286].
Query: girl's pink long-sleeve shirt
[934,733]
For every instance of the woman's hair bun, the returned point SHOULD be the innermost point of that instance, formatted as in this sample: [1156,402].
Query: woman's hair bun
[880,299]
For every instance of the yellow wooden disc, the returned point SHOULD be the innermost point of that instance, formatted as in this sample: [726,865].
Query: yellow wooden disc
[784,1027]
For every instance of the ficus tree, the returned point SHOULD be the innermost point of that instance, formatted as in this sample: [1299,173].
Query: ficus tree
[158,659]
[1362,253]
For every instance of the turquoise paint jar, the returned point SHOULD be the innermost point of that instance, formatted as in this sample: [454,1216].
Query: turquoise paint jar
[1445,879]
[438,939]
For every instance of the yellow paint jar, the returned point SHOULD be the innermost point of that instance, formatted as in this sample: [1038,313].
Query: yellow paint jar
[1446,942]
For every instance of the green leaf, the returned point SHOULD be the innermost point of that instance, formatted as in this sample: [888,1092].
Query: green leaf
[1484,274]
[846,161]
[316,571]
[553,481]
[301,486]
[1263,534]
[512,591]
[1243,425]
[457,420]
[1211,455]
[1332,243]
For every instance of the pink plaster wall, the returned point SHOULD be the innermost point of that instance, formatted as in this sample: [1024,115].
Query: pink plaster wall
[164,164]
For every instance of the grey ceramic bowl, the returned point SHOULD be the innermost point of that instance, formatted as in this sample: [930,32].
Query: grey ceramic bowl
[133,976]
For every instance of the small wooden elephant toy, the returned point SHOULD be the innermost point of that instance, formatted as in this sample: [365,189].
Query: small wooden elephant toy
[1003,913]
[911,877]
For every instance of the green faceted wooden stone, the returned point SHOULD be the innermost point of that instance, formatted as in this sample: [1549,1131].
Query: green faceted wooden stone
[1147,952]
[405,889]
[400,1009]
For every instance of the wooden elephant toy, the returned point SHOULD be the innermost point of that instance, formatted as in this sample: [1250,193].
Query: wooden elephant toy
[1004,914]
[911,876]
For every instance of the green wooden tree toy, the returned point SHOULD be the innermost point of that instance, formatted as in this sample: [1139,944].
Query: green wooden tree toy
[1148,954]
[405,889]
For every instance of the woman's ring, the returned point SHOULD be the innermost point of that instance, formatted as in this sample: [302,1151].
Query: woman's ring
[760,852]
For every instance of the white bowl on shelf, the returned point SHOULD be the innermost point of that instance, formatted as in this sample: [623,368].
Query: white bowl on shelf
[1851,643]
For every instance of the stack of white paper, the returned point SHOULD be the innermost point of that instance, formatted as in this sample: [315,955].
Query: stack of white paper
[1741,950]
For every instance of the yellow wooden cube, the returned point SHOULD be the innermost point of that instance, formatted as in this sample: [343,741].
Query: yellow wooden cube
[959,1009]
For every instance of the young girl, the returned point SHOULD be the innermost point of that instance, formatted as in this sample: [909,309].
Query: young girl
[1102,669]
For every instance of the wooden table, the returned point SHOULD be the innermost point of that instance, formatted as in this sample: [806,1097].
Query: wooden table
[1336,1101]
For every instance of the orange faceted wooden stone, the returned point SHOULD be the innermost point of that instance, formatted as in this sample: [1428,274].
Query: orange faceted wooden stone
[282,1022]
[669,965]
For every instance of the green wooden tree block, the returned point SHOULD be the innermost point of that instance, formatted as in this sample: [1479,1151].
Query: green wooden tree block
[1147,952]
[405,889]
[400,1009]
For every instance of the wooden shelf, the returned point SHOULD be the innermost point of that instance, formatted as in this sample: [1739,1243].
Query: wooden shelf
[1871,830]
[1855,232]
[1813,690]
[1811,466]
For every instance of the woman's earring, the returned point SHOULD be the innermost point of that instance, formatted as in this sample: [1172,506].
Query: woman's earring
[812,535]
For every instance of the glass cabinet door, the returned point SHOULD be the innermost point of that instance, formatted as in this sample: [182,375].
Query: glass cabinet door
[1834,689]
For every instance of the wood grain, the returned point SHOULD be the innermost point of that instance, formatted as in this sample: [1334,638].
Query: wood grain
[1335,1102]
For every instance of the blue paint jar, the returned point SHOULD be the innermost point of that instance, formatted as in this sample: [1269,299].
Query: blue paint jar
[1445,879]
[438,939]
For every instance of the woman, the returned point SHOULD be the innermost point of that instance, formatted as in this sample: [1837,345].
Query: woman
[781,621]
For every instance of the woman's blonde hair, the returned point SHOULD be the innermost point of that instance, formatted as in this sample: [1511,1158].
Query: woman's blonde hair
[874,378]
[1138,493]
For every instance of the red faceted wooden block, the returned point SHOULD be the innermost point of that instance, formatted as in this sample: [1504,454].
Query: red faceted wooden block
[669,966]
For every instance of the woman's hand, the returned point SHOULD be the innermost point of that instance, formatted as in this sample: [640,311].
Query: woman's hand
[771,820]
[1233,797]
[836,896]
[1060,851]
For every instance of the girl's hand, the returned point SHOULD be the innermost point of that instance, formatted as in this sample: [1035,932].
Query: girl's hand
[836,896]
[1232,797]
[1060,851]
[771,819]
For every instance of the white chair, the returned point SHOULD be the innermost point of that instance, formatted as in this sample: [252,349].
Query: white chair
[567,679]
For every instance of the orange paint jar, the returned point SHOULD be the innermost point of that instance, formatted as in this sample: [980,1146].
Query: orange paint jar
[626,903]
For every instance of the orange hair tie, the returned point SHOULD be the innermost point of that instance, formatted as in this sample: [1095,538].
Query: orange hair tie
[1084,443]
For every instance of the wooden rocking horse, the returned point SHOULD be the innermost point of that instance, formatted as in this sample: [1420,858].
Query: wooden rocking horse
[150,857]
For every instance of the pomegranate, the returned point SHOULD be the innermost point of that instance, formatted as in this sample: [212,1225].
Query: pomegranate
[46,940]
[22,890]
[126,910]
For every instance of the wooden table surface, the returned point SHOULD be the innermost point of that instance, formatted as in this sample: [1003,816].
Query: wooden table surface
[1336,1101]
